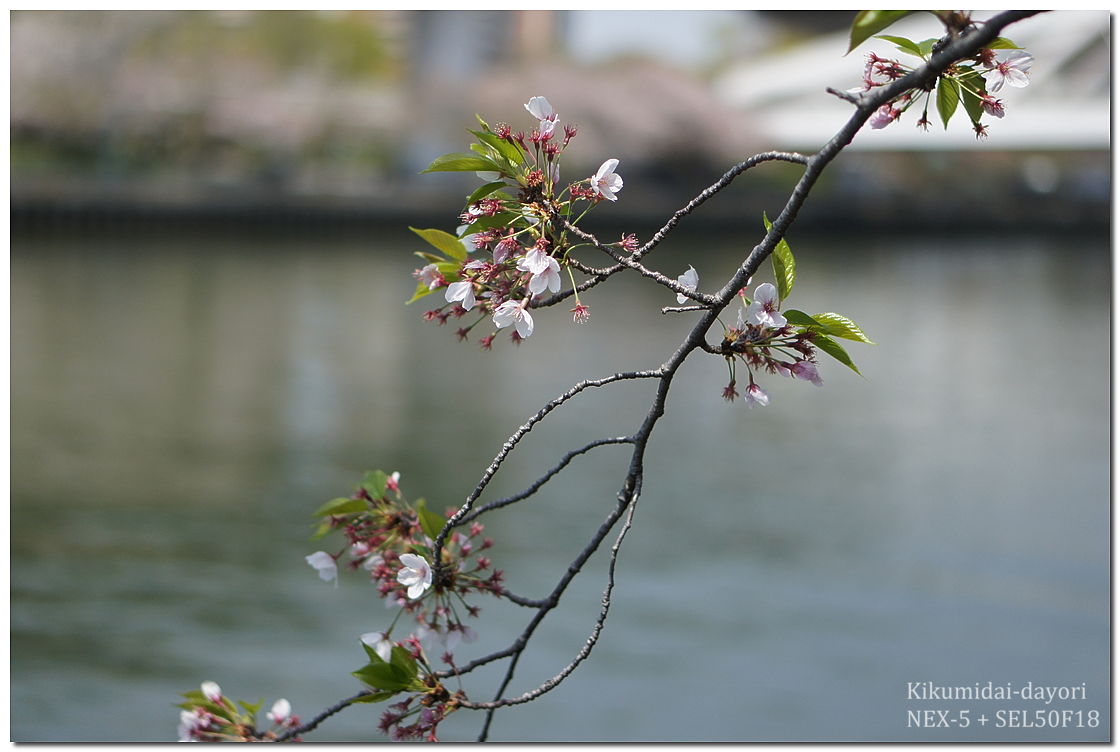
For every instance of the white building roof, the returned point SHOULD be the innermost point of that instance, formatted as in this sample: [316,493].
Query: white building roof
[1066,105]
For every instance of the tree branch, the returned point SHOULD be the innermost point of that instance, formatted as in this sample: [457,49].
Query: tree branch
[709,307]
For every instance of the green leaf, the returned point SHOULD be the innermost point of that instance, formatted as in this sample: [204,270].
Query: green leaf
[375,483]
[948,97]
[461,163]
[373,656]
[252,708]
[509,151]
[972,82]
[501,219]
[832,347]
[800,318]
[450,245]
[482,151]
[484,191]
[341,506]
[1003,43]
[371,697]
[430,522]
[870,22]
[421,291]
[926,47]
[839,326]
[449,269]
[324,528]
[785,270]
[384,676]
[404,660]
[903,44]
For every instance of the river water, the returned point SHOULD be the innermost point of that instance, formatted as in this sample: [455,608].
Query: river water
[180,406]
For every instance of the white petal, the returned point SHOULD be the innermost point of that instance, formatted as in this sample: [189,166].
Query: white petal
[766,293]
[1017,78]
[606,168]
[324,564]
[281,709]
[540,108]
[525,325]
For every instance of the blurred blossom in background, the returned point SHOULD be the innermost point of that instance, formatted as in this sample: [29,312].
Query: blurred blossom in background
[340,110]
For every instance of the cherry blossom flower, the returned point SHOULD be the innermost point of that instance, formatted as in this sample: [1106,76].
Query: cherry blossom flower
[540,108]
[756,397]
[606,182]
[535,260]
[281,712]
[806,370]
[430,276]
[416,575]
[325,565]
[191,721]
[1011,68]
[545,269]
[393,482]
[461,292]
[512,312]
[884,116]
[380,643]
[764,310]
[992,106]
[689,280]
[505,248]
[469,242]
[581,314]
[212,691]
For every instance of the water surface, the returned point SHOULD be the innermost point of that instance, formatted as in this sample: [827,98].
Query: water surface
[181,404]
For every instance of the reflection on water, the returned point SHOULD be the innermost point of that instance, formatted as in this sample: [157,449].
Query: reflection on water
[180,405]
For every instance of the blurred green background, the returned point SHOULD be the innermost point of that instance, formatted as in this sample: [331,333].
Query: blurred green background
[209,262]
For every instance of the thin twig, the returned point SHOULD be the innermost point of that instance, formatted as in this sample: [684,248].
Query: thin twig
[314,722]
[544,478]
[516,437]
[964,46]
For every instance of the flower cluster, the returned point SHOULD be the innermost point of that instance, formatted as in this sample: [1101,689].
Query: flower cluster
[511,248]
[764,339]
[969,84]
[391,540]
[209,716]
[408,720]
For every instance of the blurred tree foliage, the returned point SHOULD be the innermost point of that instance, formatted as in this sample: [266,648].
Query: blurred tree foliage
[345,45]
[227,97]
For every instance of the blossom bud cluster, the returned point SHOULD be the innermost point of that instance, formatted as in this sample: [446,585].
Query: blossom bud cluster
[515,245]
[970,83]
[207,715]
[425,716]
[391,541]
[763,340]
